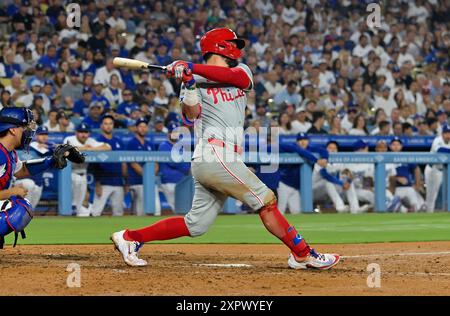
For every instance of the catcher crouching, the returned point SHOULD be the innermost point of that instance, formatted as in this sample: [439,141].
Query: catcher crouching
[17,128]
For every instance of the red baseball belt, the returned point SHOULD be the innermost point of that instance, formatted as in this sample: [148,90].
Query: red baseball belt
[217,142]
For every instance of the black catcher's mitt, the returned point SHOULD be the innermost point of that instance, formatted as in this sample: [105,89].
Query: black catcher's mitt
[69,152]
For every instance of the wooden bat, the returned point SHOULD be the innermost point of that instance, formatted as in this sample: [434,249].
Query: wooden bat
[136,64]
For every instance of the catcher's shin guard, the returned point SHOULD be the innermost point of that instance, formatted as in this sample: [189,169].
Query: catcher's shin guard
[15,214]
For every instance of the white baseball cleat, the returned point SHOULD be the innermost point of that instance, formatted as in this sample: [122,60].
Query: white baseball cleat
[128,249]
[314,260]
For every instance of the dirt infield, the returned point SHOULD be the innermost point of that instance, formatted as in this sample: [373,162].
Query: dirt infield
[421,269]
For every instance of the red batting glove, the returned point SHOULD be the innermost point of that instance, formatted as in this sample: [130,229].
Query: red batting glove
[181,70]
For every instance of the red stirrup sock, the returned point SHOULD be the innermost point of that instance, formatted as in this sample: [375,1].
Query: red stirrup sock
[169,228]
[277,224]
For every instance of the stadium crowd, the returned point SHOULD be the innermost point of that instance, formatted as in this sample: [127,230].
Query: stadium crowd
[318,67]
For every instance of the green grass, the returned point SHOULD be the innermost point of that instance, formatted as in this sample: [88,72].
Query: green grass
[316,228]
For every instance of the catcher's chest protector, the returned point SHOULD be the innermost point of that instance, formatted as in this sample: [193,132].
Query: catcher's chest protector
[15,215]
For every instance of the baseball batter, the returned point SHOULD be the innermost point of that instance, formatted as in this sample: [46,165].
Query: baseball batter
[433,173]
[214,98]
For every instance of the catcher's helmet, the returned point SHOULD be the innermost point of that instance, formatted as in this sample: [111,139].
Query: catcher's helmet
[218,41]
[11,117]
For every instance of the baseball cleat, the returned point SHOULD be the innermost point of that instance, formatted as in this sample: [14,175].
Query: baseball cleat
[128,249]
[313,260]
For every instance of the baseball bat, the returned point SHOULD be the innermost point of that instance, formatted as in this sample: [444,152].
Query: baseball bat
[136,64]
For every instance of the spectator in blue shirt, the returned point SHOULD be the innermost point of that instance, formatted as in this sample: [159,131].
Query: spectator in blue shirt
[162,57]
[39,74]
[81,106]
[171,173]
[289,95]
[125,107]
[136,170]
[98,94]
[94,118]
[9,66]
[50,60]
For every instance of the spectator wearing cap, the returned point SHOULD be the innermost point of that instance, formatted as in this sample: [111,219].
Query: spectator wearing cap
[110,178]
[135,115]
[135,170]
[27,99]
[94,117]
[50,60]
[333,101]
[22,20]
[83,142]
[442,118]
[81,106]
[114,91]
[48,95]
[73,88]
[289,95]
[171,173]
[158,126]
[300,124]
[39,74]
[9,68]
[97,94]
[385,101]
[103,74]
[317,123]
[127,104]
[64,123]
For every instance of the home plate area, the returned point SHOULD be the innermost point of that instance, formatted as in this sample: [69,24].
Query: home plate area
[212,269]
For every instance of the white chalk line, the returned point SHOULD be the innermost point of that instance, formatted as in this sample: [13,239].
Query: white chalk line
[406,254]
[224,265]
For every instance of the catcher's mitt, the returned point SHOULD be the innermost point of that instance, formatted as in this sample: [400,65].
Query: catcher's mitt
[65,152]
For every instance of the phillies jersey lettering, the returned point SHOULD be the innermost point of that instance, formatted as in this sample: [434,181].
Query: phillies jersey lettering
[224,96]
[222,109]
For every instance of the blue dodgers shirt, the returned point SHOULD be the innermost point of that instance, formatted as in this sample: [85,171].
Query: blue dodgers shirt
[171,172]
[109,173]
[135,144]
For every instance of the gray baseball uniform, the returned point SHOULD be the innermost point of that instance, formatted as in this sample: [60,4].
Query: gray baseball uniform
[217,166]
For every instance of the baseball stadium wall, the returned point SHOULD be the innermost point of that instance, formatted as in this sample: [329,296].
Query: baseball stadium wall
[185,188]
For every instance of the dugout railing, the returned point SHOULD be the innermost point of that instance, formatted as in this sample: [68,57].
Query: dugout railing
[149,159]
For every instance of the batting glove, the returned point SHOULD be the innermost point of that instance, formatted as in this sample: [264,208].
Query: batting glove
[182,70]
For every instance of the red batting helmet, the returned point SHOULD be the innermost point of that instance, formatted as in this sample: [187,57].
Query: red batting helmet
[218,41]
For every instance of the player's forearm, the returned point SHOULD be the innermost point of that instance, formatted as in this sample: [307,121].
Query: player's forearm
[234,76]
[137,168]
[324,173]
[190,113]
[6,194]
